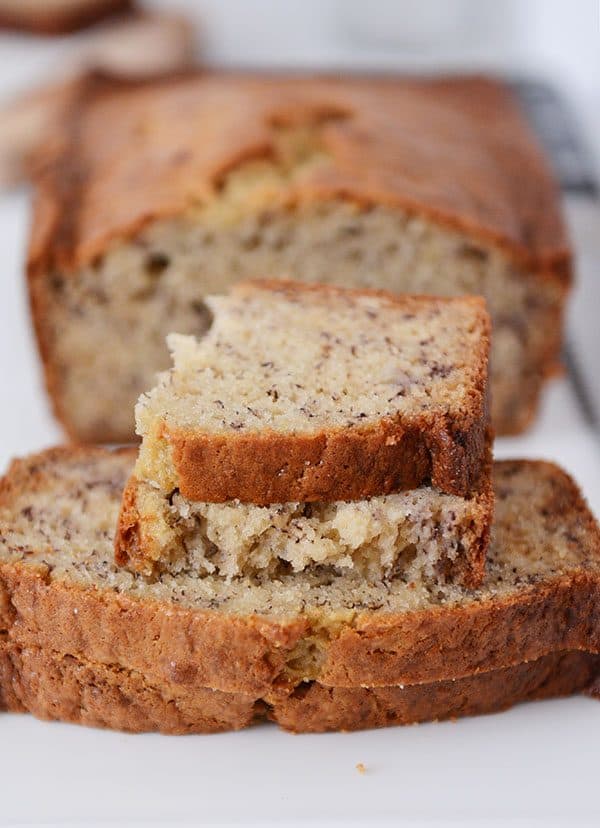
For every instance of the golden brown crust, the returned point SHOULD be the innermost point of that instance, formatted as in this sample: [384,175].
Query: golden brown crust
[59,687]
[481,637]
[399,142]
[171,643]
[57,21]
[340,464]
[316,708]
[399,453]
[253,654]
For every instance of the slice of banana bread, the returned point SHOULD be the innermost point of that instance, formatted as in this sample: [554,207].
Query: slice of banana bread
[298,400]
[60,591]
[304,393]
[430,186]
[54,686]
[422,534]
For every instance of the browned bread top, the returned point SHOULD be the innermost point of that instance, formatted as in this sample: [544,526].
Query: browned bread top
[310,392]
[454,149]
[60,590]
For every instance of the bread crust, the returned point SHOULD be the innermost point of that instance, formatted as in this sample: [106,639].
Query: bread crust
[58,687]
[56,22]
[316,708]
[340,464]
[449,450]
[508,196]
[255,653]
[251,654]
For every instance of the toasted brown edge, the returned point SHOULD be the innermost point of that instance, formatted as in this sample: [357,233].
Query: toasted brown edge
[51,234]
[317,708]
[446,449]
[53,686]
[60,687]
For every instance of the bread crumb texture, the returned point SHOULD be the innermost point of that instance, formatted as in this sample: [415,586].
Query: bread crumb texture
[299,361]
[116,325]
[422,534]
[58,511]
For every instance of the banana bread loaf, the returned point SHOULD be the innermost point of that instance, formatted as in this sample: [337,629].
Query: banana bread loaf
[419,186]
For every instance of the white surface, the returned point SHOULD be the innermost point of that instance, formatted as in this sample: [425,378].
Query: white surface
[537,763]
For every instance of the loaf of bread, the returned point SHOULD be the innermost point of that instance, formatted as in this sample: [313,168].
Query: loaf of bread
[61,592]
[61,687]
[298,400]
[432,186]
[55,17]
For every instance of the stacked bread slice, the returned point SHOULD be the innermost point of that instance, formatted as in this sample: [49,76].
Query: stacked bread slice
[320,431]
[305,535]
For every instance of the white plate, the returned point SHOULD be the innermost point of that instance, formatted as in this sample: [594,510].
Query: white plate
[537,763]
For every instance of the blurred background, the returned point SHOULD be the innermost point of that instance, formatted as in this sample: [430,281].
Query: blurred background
[557,40]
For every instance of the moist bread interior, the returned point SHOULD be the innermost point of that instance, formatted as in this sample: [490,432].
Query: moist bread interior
[65,523]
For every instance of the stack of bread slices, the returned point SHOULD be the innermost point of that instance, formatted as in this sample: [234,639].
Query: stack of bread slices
[312,532]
